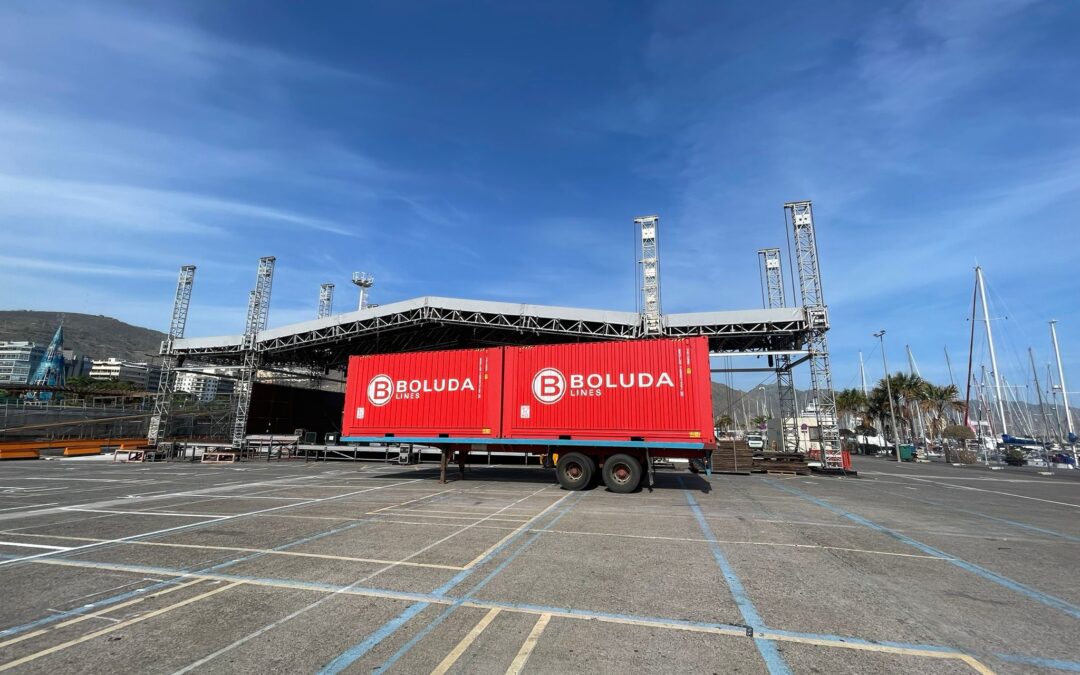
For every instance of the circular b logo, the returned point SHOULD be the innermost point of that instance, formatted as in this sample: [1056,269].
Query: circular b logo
[380,390]
[548,385]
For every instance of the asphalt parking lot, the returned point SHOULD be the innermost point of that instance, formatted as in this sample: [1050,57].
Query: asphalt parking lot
[330,567]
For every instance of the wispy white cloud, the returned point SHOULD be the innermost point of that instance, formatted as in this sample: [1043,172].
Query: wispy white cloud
[80,269]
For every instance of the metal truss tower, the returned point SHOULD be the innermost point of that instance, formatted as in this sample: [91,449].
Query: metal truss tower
[817,316]
[651,323]
[772,295]
[326,301]
[159,421]
[364,282]
[257,315]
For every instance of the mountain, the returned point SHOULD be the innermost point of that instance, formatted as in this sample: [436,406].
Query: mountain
[98,337]
[740,404]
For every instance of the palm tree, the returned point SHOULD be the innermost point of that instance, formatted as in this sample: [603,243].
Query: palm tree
[724,422]
[909,391]
[851,402]
[938,403]
[878,405]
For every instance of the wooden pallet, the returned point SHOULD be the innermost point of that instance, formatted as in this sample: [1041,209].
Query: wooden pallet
[734,457]
[788,463]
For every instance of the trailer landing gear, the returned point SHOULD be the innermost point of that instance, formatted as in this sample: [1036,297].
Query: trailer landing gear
[575,471]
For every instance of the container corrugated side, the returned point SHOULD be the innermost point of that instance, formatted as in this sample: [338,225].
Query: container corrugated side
[642,390]
[447,393]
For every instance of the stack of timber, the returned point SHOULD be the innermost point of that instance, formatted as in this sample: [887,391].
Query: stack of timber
[732,457]
[791,463]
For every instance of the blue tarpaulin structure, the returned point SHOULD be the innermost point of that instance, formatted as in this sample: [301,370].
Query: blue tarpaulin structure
[50,372]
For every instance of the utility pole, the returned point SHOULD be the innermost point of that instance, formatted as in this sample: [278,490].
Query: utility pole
[880,335]
[993,355]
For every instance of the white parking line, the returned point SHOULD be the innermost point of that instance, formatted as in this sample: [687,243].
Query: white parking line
[144,513]
[190,525]
[22,545]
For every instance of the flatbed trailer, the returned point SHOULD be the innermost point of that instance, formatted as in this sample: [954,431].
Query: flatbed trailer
[621,465]
[596,411]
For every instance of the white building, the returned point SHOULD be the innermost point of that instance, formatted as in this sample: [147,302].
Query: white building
[142,375]
[18,360]
[205,384]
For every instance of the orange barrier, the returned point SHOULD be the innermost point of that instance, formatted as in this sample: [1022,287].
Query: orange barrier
[18,454]
[72,447]
[81,452]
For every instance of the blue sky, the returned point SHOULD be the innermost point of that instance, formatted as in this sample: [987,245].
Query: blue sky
[501,150]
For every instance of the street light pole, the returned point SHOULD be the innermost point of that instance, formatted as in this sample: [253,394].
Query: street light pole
[880,335]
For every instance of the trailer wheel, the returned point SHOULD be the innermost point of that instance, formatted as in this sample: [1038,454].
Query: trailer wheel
[575,471]
[622,473]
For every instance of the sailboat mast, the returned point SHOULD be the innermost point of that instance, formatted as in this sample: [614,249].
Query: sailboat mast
[1053,392]
[993,355]
[862,375]
[1038,392]
[1061,379]
[914,369]
[971,352]
[952,379]
[984,403]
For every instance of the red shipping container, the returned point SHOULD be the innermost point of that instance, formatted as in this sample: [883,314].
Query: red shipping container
[432,394]
[642,390]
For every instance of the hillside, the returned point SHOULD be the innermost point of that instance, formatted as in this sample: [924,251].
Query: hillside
[90,335]
[726,401]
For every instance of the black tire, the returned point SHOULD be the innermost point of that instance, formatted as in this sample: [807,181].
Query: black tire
[622,473]
[575,471]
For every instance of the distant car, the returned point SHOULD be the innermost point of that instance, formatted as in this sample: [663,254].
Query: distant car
[755,442]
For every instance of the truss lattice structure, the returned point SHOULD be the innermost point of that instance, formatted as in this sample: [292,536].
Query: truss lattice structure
[650,275]
[772,292]
[326,301]
[817,315]
[257,315]
[450,323]
[159,421]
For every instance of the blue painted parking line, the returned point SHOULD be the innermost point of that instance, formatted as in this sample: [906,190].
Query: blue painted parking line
[1044,598]
[767,648]
[428,599]
[1057,664]
[357,651]
[149,590]
[1014,523]
[104,602]
[460,601]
